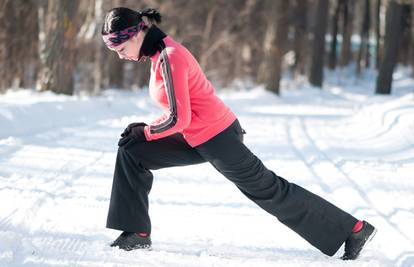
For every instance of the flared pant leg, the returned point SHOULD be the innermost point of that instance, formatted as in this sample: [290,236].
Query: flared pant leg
[132,182]
[322,224]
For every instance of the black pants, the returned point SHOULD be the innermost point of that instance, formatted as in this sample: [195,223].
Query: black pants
[319,222]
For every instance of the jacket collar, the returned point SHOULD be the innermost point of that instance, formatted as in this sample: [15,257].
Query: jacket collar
[152,42]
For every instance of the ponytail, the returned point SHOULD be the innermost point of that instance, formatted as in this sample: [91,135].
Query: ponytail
[152,14]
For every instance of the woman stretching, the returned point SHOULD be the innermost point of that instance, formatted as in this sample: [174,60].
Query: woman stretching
[196,127]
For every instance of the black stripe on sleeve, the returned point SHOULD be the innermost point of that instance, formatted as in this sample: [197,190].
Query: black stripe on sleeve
[172,119]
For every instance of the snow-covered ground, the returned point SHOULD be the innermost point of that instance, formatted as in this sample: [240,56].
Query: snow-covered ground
[57,156]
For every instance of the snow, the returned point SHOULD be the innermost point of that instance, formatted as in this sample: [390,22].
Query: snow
[344,143]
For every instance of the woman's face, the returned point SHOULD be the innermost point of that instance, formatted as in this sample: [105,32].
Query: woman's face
[129,50]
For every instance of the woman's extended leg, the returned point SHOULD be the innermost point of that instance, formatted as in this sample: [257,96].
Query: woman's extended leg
[128,208]
[319,222]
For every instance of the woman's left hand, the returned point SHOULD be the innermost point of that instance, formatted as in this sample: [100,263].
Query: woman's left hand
[130,126]
[133,133]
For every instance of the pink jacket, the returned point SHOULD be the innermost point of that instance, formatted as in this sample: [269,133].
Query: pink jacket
[190,104]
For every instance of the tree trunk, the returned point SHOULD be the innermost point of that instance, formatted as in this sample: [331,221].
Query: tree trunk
[378,34]
[30,59]
[412,57]
[6,59]
[393,32]
[276,38]
[318,44]
[412,41]
[99,63]
[3,48]
[368,27]
[404,50]
[18,44]
[347,29]
[363,54]
[59,52]
[335,20]
[300,41]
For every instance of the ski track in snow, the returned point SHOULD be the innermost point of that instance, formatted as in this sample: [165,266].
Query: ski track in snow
[55,183]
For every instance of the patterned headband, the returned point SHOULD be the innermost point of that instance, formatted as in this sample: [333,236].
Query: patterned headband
[116,38]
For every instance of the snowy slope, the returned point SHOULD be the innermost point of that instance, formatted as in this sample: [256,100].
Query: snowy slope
[57,156]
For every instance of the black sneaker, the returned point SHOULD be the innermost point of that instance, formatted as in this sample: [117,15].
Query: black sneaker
[120,239]
[129,241]
[356,241]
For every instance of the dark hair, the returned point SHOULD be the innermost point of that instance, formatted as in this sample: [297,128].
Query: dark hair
[120,18]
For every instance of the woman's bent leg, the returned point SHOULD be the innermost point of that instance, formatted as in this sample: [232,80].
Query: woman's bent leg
[132,182]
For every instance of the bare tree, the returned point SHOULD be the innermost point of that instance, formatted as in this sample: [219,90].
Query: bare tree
[412,41]
[347,29]
[58,55]
[5,57]
[363,54]
[405,47]
[274,43]
[18,43]
[300,31]
[393,32]
[378,34]
[3,47]
[335,21]
[318,43]
[98,70]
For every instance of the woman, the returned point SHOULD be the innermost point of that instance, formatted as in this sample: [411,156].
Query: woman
[189,132]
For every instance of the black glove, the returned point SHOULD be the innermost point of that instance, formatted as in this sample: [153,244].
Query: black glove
[132,134]
[132,125]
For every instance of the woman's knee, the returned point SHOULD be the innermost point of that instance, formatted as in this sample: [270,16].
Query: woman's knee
[132,150]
